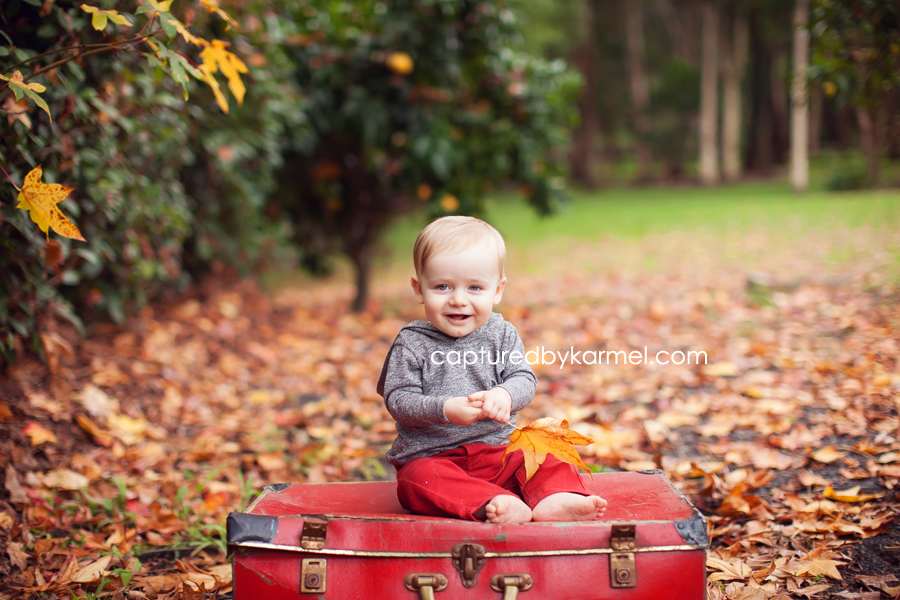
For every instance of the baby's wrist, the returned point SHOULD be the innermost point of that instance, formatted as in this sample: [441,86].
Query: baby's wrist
[504,391]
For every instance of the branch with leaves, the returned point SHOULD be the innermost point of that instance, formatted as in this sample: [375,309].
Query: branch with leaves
[160,32]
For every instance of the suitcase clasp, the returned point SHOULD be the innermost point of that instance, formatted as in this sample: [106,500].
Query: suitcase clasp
[468,560]
[313,536]
[622,570]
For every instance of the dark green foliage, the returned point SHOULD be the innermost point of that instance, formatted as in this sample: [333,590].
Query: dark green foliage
[857,48]
[472,114]
[163,185]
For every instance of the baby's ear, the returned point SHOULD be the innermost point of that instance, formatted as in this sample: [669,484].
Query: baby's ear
[498,295]
[417,290]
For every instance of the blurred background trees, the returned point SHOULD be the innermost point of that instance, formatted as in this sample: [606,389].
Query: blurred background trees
[666,108]
[358,112]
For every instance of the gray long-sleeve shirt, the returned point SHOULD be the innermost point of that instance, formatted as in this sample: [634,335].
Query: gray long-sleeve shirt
[425,367]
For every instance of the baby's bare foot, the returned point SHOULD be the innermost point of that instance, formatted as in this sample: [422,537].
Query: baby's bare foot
[504,509]
[569,507]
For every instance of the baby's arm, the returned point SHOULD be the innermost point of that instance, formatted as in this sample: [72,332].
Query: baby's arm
[409,406]
[517,380]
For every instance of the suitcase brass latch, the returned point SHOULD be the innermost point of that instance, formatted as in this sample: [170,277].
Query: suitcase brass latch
[313,536]
[511,584]
[622,570]
[426,584]
[468,560]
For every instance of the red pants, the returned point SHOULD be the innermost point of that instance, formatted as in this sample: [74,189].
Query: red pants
[459,482]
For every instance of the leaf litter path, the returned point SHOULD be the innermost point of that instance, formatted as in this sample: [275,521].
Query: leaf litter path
[125,454]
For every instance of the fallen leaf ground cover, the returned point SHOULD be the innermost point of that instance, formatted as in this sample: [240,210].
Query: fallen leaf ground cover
[124,452]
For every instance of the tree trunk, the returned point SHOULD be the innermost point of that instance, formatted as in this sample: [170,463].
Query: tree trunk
[637,79]
[800,100]
[709,100]
[815,120]
[780,132]
[892,116]
[362,265]
[734,54]
[868,137]
[757,157]
[582,153]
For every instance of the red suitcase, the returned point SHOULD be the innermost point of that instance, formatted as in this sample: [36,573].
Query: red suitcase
[348,541]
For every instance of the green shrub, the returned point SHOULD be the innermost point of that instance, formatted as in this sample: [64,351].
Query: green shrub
[162,185]
[850,174]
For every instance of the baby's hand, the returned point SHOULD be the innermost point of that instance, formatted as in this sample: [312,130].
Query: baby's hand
[463,411]
[497,404]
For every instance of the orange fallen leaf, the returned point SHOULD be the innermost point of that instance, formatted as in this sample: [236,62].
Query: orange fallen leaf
[64,479]
[39,434]
[813,590]
[93,571]
[828,568]
[214,502]
[547,436]
[849,495]
[100,437]
[828,454]
[727,570]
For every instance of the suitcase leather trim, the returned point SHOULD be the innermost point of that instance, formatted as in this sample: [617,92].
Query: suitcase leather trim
[520,553]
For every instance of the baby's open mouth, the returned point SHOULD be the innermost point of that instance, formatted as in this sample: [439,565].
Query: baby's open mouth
[458,318]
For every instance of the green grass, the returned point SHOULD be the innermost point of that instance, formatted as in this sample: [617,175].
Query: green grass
[748,225]
[635,213]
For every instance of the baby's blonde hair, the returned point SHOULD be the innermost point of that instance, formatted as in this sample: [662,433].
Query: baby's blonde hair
[455,234]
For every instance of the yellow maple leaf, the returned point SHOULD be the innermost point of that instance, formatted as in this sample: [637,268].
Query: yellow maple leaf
[188,36]
[40,199]
[216,57]
[547,436]
[213,7]
[32,90]
[99,18]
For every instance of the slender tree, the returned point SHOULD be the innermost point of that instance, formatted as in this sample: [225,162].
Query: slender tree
[734,62]
[637,79]
[582,155]
[800,100]
[709,97]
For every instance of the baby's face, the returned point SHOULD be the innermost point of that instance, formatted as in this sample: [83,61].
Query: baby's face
[460,290]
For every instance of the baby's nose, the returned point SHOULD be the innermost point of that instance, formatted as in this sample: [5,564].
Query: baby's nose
[459,297]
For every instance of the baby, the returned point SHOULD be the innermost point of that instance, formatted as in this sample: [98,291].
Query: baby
[454,384]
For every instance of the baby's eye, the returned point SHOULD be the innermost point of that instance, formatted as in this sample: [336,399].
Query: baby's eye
[442,287]
[475,288]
